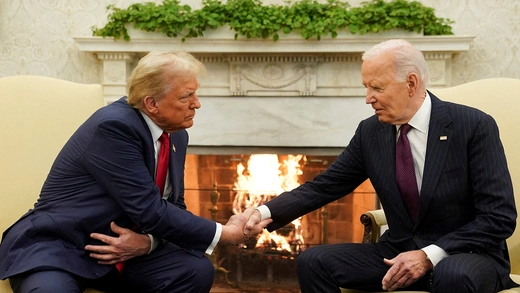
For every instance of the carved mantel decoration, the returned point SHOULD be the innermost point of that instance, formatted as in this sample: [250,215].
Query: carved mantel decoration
[262,75]
[262,70]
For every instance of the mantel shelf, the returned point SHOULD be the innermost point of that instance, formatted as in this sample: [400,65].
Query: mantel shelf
[225,45]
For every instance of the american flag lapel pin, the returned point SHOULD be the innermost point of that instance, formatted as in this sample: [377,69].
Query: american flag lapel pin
[173,148]
[443,137]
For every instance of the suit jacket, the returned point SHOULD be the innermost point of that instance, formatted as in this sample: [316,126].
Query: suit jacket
[104,173]
[466,199]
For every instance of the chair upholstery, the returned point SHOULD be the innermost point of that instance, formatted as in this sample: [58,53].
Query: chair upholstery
[38,115]
[499,97]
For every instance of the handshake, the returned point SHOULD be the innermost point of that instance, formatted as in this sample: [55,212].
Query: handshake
[241,227]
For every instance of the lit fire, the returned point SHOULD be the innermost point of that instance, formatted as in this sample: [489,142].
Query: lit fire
[266,178]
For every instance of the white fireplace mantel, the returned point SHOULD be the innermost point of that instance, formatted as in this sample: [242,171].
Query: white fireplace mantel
[353,44]
[292,92]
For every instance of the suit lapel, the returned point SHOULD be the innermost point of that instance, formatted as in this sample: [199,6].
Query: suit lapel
[437,148]
[386,137]
[148,144]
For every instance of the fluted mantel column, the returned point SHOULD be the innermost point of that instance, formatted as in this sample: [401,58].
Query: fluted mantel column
[117,67]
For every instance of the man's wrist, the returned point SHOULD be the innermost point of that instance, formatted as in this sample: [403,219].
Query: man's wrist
[225,237]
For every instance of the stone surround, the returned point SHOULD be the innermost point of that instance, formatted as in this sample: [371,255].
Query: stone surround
[291,93]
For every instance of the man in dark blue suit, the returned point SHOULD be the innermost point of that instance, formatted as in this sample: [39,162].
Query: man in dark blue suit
[102,186]
[464,211]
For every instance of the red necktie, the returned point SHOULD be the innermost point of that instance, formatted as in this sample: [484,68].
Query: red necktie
[162,162]
[405,173]
[160,176]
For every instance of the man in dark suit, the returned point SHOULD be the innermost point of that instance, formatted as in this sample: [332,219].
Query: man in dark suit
[102,186]
[453,238]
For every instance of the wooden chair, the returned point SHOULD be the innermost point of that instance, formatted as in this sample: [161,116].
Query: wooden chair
[499,97]
[39,114]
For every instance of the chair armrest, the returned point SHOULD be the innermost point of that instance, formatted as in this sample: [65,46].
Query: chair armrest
[372,220]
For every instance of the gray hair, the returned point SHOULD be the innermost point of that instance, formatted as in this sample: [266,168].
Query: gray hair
[155,72]
[408,59]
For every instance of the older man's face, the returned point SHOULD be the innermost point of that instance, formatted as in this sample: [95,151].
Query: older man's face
[390,98]
[177,109]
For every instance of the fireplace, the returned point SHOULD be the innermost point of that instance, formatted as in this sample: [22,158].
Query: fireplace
[270,259]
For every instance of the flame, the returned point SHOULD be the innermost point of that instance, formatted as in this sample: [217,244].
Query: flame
[266,178]
[267,239]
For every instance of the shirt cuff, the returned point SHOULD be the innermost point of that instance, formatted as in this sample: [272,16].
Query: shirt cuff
[155,242]
[265,212]
[216,239]
[434,253]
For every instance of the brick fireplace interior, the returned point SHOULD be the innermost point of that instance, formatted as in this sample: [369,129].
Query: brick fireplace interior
[270,266]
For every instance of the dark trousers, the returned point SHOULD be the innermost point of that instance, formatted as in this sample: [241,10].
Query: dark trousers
[325,268]
[168,269]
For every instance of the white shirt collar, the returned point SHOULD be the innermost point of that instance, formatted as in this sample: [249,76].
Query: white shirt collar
[154,129]
[421,119]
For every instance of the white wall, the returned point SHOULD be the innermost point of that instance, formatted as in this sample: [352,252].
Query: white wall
[36,36]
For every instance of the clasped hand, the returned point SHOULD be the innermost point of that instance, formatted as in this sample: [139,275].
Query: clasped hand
[241,227]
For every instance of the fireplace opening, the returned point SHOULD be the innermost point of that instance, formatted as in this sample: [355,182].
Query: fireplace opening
[219,185]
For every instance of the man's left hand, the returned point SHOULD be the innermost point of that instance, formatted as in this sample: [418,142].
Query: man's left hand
[129,244]
[405,269]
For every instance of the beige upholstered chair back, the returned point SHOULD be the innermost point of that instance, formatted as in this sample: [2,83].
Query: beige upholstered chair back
[38,115]
[500,98]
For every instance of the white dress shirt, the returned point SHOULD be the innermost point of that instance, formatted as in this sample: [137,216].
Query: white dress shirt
[156,133]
